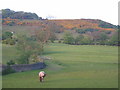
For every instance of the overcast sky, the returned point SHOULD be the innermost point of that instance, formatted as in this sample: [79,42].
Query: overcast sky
[106,10]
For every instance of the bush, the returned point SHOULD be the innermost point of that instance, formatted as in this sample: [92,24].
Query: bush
[12,42]
[9,41]
[6,35]
[59,41]
[4,42]
[11,62]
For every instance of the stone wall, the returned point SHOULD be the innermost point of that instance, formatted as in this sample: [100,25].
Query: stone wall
[26,67]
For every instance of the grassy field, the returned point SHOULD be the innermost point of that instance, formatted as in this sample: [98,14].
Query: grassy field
[9,52]
[71,66]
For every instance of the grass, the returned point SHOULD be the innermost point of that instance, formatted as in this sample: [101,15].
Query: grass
[0,63]
[9,52]
[72,66]
[19,30]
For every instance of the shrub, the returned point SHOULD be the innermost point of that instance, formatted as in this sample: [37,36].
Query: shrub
[4,42]
[9,41]
[59,41]
[11,62]
[12,42]
[6,35]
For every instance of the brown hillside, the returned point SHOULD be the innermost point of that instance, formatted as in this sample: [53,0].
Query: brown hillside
[67,24]
[80,24]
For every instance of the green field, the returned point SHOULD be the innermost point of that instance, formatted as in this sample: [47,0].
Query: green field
[71,66]
[9,52]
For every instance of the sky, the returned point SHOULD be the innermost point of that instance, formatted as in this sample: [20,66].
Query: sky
[106,10]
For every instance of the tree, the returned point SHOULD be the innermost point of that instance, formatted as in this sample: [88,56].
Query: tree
[114,39]
[96,37]
[103,38]
[23,45]
[32,45]
[86,40]
[24,58]
[18,15]
[68,38]
[7,13]
[6,35]
[52,37]
[78,39]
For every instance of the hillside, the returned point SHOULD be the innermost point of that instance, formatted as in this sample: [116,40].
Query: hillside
[94,29]
[85,24]
[11,18]
[63,24]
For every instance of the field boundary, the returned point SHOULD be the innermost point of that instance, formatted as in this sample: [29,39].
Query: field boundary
[25,67]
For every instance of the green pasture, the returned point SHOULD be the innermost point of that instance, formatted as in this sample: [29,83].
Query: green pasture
[71,66]
[9,52]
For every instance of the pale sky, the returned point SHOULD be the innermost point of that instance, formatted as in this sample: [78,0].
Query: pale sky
[106,10]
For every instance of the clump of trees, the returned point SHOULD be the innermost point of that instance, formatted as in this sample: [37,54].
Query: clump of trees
[79,40]
[32,46]
[93,38]
[115,40]
[68,38]
[19,15]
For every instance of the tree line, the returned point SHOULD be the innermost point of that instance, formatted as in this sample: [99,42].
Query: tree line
[19,15]
[93,38]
